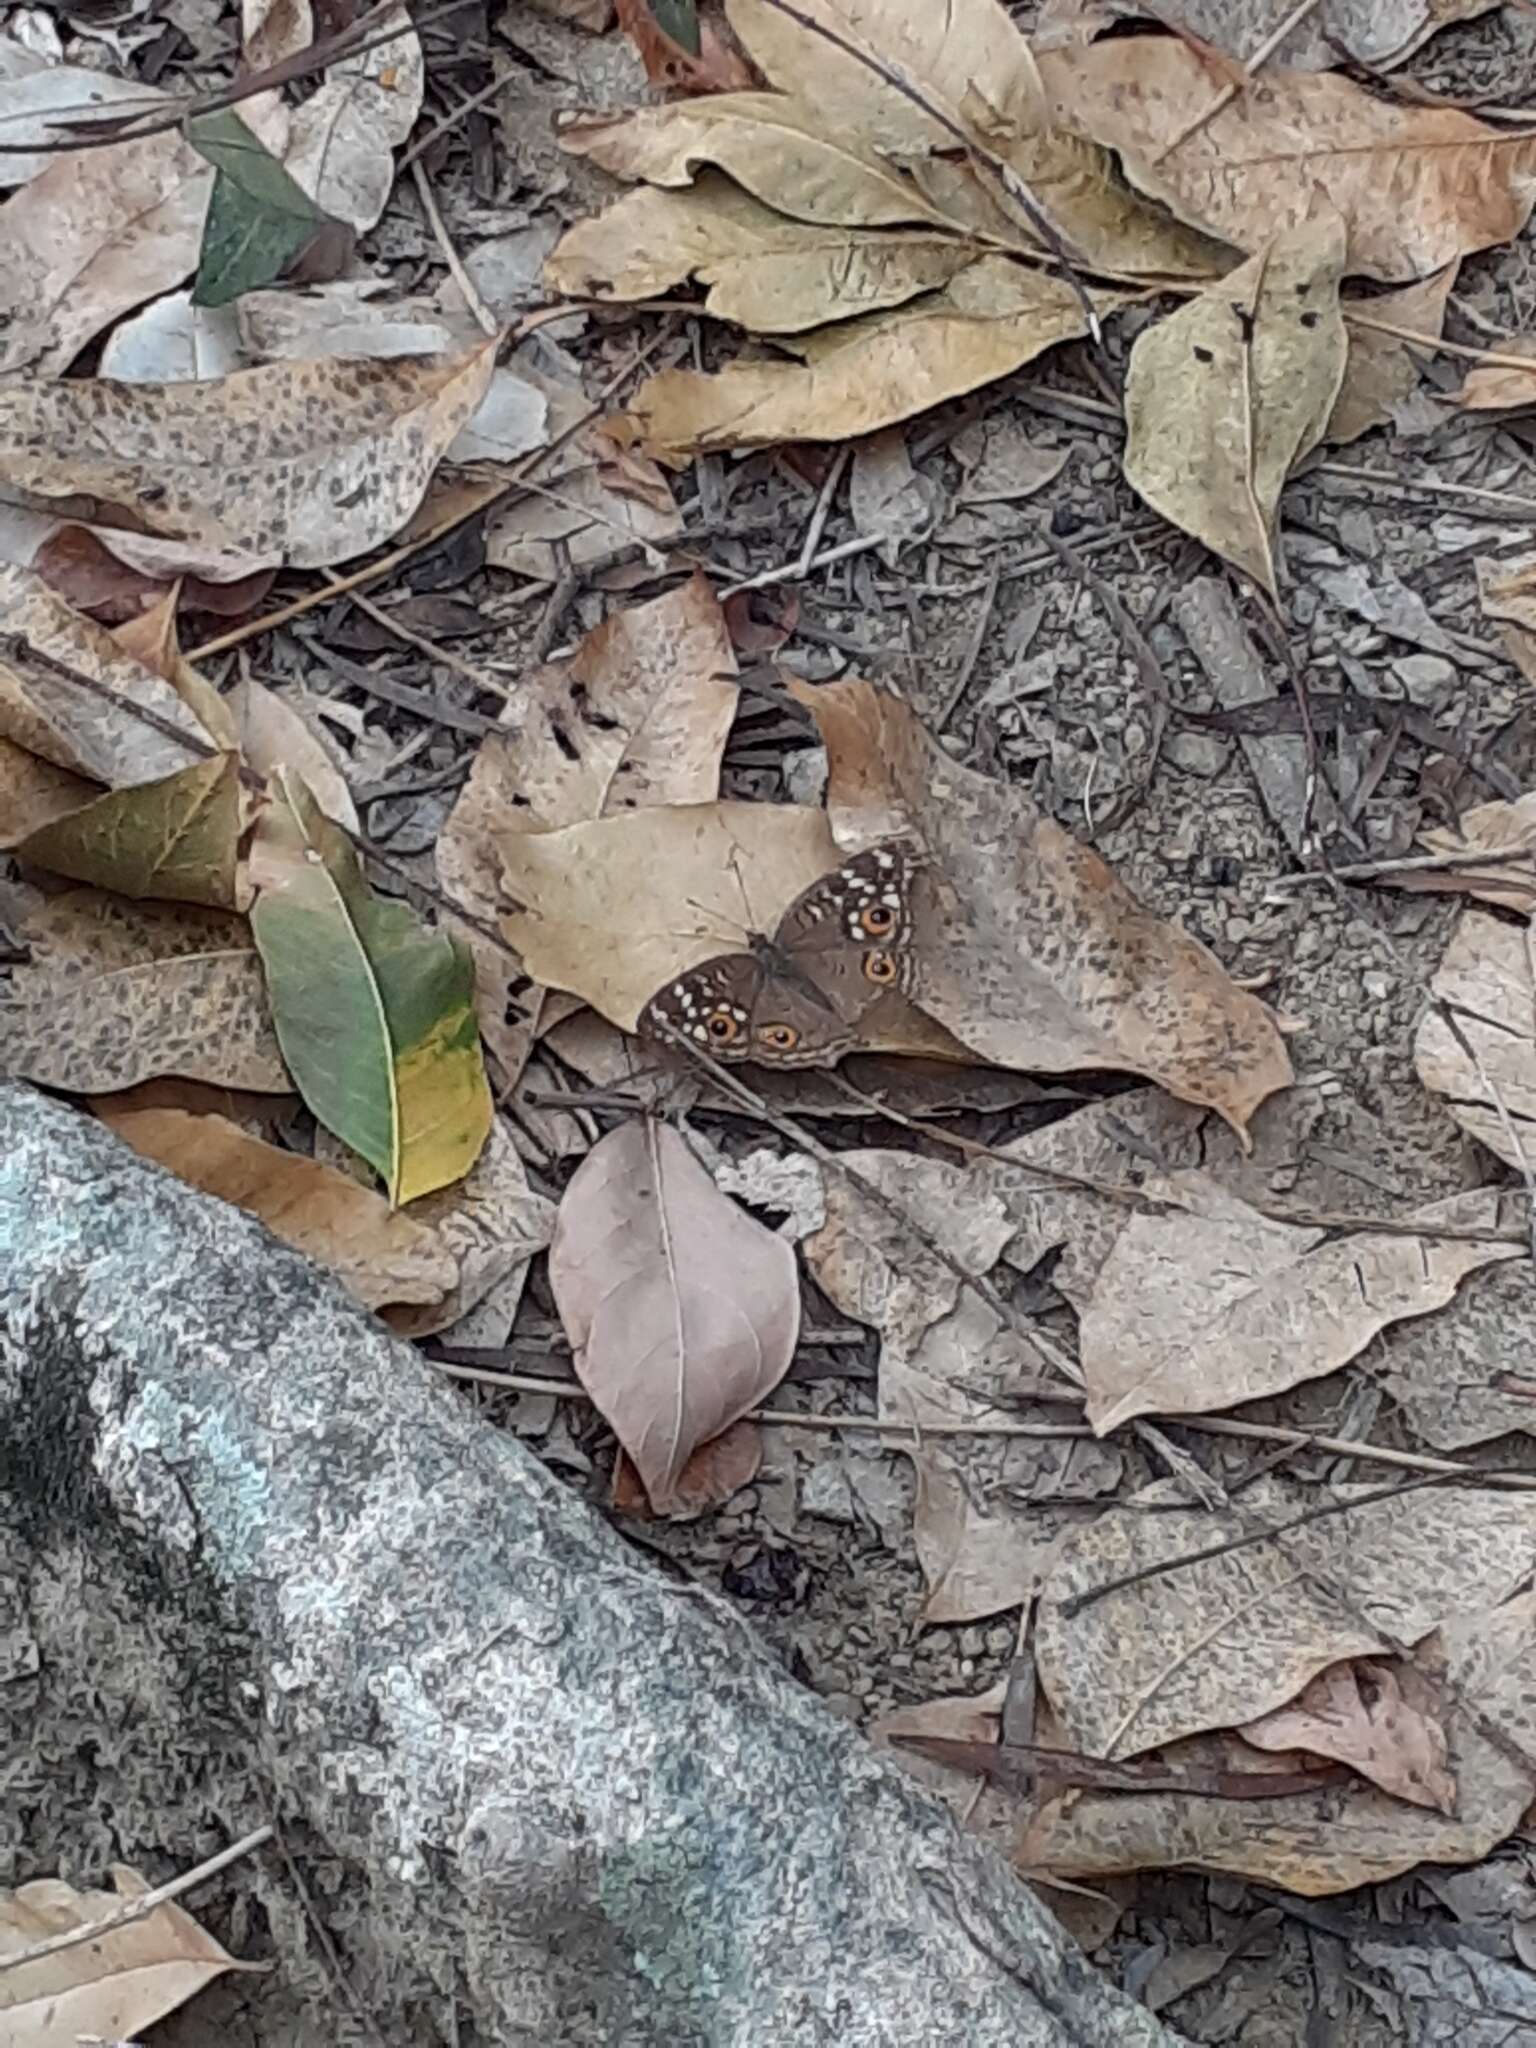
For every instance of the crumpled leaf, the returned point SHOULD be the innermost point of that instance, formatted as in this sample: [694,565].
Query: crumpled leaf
[1418,187]
[638,716]
[375,1014]
[1225,396]
[682,1311]
[1219,1641]
[1034,954]
[333,455]
[1332,1840]
[378,1254]
[177,839]
[108,1987]
[1486,1067]
[1378,1718]
[858,376]
[1205,1302]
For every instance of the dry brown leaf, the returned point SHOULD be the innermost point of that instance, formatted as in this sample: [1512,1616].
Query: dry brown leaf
[176,839]
[154,639]
[764,270]
[1376,33]
[861,375]
[715,1471]
[491,1223]
[1205,1303]
[379,1254]
[273,734]
[73,559]
[1497,829]
[1225,396]
[1379,1718]
[33,793]
[333,455]
[682,1311]
[637,716]
[1486,1066]
[1502,386]
[1034,954]
[341,139]
[89,727]
[259,1116]
[1417,186]
[116,992]
[109,1986]
[1382,368]
[1330,1841]
[1220,1640]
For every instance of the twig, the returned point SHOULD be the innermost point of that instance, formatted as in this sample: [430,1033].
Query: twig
[1229,92]
[487,320]
[141,1908]
[796,572]
[482,678]
[1406,864]
[821,511]
[1430,487]
[328,1947]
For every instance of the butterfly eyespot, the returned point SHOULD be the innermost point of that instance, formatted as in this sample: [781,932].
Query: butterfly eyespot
[880,967]
[723,1028]
[877,920]
[780,1037]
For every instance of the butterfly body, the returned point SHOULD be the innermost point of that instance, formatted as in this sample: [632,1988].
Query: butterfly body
[800,996]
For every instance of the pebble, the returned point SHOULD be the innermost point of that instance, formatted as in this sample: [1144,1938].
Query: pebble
[845,1705]
[1377,986]
[1426,677]
[1197,753]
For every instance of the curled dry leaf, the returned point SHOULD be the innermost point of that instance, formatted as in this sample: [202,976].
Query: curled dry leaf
[1034,954]
[333,456]
[1379,1718]
[108,1986]
[1205,1302]
[1221,1639]
[1418,187]
[378,1255]
[638,716]
[177,839]
[1482,1059]
[1224,397]
[681,1310]
[1330,1841]
[275,737]
[115,993]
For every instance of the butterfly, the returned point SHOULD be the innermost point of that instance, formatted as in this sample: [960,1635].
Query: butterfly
[798,999]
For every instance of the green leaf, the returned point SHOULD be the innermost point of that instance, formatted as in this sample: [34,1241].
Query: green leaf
[258,218]
[176,838]
[680,20]
[374,1012]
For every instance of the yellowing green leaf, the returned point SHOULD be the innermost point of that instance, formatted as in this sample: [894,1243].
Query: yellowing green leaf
[375,1013]
[177,839]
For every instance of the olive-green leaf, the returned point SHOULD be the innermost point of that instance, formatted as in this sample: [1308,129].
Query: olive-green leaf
[176,839]
[258,218]
[374,1011]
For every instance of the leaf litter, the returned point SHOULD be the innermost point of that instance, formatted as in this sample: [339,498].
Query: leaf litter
[1049,1305]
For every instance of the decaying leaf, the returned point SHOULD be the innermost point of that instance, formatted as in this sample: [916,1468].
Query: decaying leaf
[638,716]
[1205,1302]
[1418,187]
[708,64]
[1384,368]
[1482,1059]
[1034,954]
[682,1311]
[1225,396]
[114,993]
[333,455]
[34,794]
[378,1254]
[375,1013]
[105,1988]
[1378,1718]
[714,1472]
[1326,1841]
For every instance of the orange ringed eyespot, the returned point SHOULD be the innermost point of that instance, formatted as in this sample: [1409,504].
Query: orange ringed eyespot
[722,1028]
[879,967]
[878,919]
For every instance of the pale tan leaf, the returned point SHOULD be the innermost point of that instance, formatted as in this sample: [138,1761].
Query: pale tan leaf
[1379,1718]
[1206,1303]
[119,1980]
[614,907]
[36,95]
[1502,386]
[637,716]
[1334,1839]
[273,31]
[102,230]
[89,727]
[1417,186]
[1497,829]
[1035,954]
[115,992]
[1383,368]
[342,138]
[1225,396]
[153,638]
[172,339]
[379,1254]
[1486,1067]
[333,455]
[1508,589]
[765,271]
[274,734]
[861,375]
[1224,1639]
[491,1222]
[604,499]
[682,1311]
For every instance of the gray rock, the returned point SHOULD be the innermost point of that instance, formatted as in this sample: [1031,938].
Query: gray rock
[257,1565]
